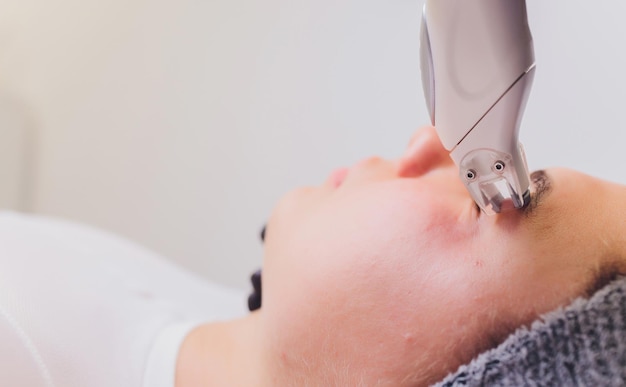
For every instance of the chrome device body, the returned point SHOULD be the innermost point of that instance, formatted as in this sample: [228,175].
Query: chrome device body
[478,63]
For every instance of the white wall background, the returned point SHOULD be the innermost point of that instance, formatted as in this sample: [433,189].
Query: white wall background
[179,123]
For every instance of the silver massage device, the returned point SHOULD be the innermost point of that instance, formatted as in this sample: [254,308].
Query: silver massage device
[478,63]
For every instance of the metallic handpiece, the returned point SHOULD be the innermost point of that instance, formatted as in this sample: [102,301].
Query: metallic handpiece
[478,63]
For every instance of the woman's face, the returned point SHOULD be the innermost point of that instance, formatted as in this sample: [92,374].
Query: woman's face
[390,269]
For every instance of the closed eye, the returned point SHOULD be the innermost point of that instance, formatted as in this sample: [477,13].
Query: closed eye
[542,185]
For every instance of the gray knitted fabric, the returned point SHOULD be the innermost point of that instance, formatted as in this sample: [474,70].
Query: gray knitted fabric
[581,345]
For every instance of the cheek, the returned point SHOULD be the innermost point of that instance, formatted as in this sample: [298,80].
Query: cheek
[536,268]
[368,271]
[327,239]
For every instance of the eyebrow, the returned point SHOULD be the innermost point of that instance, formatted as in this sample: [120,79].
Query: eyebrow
[543,185]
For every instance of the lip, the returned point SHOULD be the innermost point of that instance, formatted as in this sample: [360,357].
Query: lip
[337,177]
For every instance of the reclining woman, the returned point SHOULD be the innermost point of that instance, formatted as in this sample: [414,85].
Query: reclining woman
[385,275]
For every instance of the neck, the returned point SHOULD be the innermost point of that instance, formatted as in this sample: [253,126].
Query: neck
[222,354]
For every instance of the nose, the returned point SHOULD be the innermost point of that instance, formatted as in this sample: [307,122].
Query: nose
[424,154]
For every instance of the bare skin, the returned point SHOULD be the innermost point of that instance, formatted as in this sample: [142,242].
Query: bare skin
[388,274]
